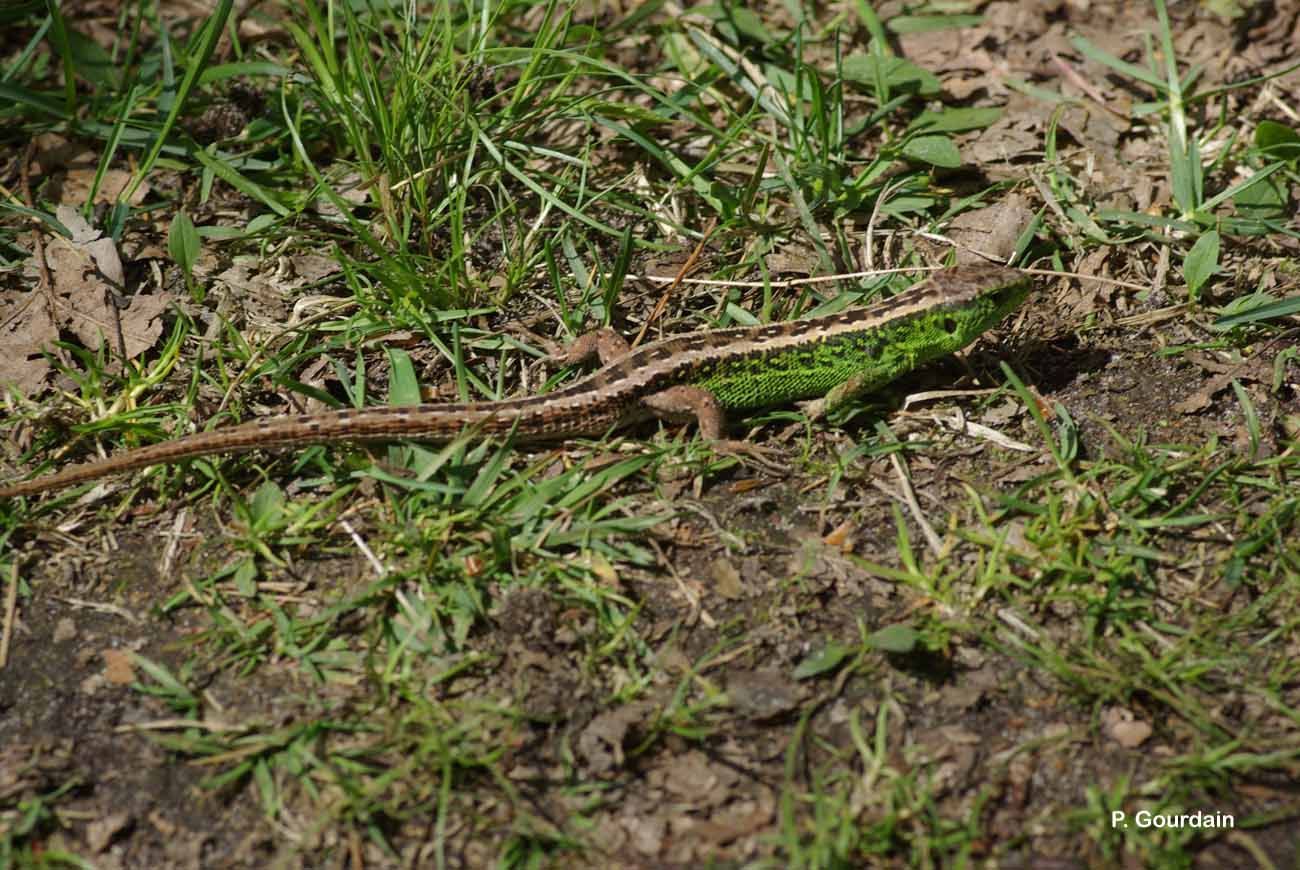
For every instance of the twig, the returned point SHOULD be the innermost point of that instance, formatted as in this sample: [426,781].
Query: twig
[679,279]
[870,273]
[909,498]
[11,607]
[38,240]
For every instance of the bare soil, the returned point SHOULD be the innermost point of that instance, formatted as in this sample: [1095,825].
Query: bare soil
[996,732]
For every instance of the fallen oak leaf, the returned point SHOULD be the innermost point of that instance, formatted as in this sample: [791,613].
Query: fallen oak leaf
[86,271]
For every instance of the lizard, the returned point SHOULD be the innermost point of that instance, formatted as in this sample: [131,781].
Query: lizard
[829,359]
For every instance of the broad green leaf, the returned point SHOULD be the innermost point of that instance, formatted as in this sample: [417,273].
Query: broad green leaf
[935,150]
[93,63]
[747,24]
[1226,10]
[222,71]
[683,55]
[825,659]
[13,11]
[1201,262]
[245,577]
[163,677]
[955,120]
[894,71]
[904,24]
[183,242]
[1277,140]
[267,506]
[1236,190]
[896,638]
[403,385]
[623,111]
[1263,200]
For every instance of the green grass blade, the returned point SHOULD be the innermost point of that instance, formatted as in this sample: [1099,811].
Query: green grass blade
[197,60]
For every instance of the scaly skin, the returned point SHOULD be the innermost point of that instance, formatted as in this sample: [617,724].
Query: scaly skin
[836,357]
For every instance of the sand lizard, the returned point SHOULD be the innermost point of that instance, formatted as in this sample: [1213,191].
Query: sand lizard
[832,357]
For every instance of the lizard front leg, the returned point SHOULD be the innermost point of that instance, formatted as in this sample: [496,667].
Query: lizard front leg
[853,387]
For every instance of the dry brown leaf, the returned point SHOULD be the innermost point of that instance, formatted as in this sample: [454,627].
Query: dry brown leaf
[991,231]
[267,294]
[101,831]
[64,629]
[1225,374]
[726,580]
[25,328]
[690,775]
[314,267]
[763,694]
[1124,728]
[69,168]
[1091,295]
[645,833]
[86,271]
[118,668]
[1201,399]
[601,742]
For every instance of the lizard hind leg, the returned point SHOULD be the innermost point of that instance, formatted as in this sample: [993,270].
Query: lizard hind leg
[604,344]
[685,401]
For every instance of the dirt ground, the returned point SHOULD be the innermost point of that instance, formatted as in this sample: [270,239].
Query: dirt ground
[755,573]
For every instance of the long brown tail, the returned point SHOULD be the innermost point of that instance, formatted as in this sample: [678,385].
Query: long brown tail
[426,422]
[562,414]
